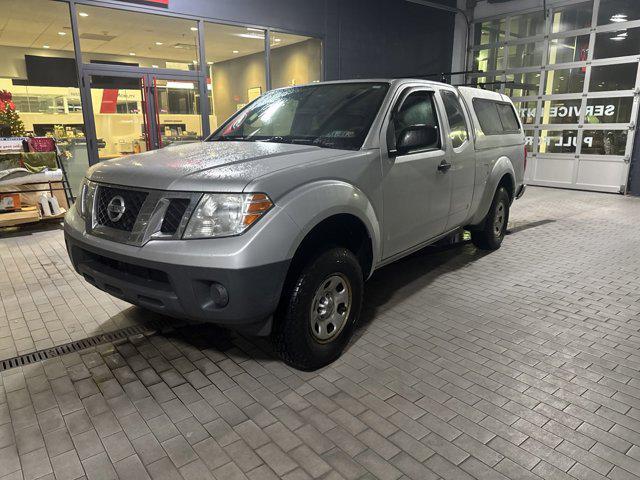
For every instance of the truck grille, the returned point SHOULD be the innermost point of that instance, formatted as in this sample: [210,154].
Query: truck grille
[131,200]
[173,216]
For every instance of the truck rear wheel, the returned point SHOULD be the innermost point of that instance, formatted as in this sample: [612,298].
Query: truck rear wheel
[319,309]
[489,234]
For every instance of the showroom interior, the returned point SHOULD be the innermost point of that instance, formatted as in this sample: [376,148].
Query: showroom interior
[520,363]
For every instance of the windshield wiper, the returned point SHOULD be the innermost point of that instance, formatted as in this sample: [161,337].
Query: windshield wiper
[289,139]
[234,138]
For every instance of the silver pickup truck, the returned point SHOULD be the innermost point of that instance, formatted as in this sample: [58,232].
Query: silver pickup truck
[272,225]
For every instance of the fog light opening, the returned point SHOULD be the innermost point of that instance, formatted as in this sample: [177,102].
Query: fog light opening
[219,295]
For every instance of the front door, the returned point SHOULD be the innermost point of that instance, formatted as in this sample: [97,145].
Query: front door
[416,184]
[137,112]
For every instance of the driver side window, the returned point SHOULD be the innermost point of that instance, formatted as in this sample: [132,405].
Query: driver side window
[416,109]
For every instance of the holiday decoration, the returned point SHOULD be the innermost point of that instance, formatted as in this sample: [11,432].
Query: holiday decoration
[9,118]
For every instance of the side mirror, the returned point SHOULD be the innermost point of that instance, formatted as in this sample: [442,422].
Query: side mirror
[416,137]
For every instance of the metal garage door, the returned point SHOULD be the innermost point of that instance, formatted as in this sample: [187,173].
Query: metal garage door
[573,73]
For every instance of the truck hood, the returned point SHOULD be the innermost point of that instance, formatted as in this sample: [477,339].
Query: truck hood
[206,166]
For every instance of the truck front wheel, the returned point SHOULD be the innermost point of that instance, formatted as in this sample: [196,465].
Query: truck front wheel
[319,310]
[490,233]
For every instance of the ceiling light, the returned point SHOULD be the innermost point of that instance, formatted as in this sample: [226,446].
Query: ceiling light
[209,63]
[158,43]
[132,54]
[62,34]
[251,35]
[236,51]
[83,14]
[194,29]
[46,46]
[618,17]
[255,29]
[277,40]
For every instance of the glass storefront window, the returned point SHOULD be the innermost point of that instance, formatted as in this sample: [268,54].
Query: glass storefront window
[572,17]
[608,110]
[526,111]
[118,112]
[38,68]
[527,25]
[178,112]
[295,60]
[236,68]
[568,80]
[568,49]
[138,39]
[488,59]
[560,111]
[522,84]
[557,141]
[604,142]
[529,140]
[491,31]
[618,43]
[618,11]
[613,77]
[525,55]
[488,83]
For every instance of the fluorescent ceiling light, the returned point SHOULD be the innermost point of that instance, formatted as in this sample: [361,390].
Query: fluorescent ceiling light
[251,35]
[255,29]
[158,43]
[83,14]
[132,54]
[181,85]
[618,17]
[194,29]
[46,46]
[236,51]
[62,34]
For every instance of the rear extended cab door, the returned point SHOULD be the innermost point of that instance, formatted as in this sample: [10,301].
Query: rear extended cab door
[460,154]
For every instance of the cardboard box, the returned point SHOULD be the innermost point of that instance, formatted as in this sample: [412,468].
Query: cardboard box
[9,202]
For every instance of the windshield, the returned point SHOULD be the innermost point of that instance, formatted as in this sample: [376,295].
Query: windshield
[336,115]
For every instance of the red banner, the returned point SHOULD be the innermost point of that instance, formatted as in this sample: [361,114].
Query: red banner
[109,103]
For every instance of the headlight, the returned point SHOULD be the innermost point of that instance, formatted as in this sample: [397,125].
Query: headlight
[226,214]
[81,200]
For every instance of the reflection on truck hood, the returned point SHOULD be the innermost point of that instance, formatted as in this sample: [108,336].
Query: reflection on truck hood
[206,166]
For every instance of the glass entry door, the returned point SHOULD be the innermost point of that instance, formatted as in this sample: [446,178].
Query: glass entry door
[134,113]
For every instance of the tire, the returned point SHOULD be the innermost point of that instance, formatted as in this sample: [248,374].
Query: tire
[490,233]
[319,310]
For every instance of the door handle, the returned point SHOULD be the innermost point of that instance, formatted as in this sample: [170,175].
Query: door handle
[444,166]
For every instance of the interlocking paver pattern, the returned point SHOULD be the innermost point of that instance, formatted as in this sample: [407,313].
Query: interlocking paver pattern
[521,363]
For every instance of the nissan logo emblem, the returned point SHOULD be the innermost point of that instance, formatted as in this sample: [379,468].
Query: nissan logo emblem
[116,208]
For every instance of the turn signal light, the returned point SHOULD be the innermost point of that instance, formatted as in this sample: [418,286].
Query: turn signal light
[254,207]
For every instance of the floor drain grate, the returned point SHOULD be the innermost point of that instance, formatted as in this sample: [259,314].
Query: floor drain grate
[85,343]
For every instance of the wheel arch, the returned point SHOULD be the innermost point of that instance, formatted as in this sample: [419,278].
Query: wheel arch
[502,175]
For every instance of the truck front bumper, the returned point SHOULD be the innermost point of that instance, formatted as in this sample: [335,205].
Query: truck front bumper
[187,287]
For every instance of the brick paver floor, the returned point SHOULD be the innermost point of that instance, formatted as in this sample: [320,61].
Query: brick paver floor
[521,363]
